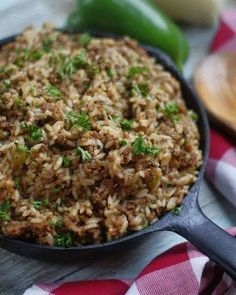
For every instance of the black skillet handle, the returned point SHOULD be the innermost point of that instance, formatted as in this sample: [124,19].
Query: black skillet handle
[217,244]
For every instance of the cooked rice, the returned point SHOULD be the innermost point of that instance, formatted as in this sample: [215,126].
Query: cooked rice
[72,170]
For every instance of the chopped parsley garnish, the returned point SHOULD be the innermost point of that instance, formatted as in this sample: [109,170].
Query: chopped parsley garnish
[85,39]
[140,147]
[47,44]
[63,240]
[67,68]
[109,72]
[35,133]
[126,124]
[80,59]
[123,142]
[4,211]
[65,162]
[144,226]
[27,55]
[35,55]
[2,69]
[59,223]
[17,183]
[7,83]
[140,89]
[136,70]
[20,103]
[151,150]
[70,65]
[194,116]
[53,91]
[39,204]
[171,111]
[23,148]
[176,210]
[57,189]
[81,120]
[85,155]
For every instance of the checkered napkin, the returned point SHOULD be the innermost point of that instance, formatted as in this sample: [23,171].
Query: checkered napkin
[221,166]
[182,270]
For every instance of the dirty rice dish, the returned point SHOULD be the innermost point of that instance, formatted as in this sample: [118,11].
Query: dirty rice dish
[95,139]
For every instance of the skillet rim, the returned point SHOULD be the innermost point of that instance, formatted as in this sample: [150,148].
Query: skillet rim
[168,219]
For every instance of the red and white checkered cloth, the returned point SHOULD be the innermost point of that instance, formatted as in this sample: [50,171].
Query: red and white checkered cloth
[182,270]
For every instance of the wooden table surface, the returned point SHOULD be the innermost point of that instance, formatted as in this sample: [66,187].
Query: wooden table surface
[18,273]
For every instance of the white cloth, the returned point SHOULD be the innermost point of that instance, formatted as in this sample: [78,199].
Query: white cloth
[16,15]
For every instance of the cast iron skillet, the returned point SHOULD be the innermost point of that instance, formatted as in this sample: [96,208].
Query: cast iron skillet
[191,223]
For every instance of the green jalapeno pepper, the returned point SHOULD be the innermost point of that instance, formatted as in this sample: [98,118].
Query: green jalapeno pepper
[140,19]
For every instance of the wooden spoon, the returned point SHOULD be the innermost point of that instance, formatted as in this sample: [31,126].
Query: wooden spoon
[215,82]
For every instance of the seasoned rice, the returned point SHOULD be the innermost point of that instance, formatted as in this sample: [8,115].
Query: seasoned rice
[95,139]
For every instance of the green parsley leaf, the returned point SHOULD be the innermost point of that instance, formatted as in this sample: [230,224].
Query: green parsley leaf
[57,189]
[39,204]
[126,124]
[35,55]
[20,103]
[45,202]
[35,133]
[140,147]
[2,69]
[85,39]
[7,83]
[151,150]
[140,89]
[59,223]
[53,91]
[24,55]
[123,142]
[171,111]
[47,44]
[5,206]
[67,68]
[144,226]
[63,240]
[17,183]
[176,210]
[85,155]
[65,162]
[109,72]
[194,116]
[69,65]
[80,59]
[136,70]
[81,120]
[23,149]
